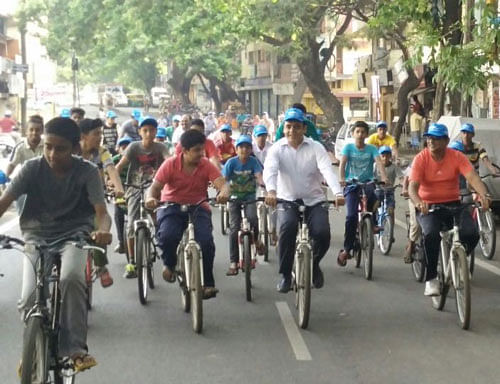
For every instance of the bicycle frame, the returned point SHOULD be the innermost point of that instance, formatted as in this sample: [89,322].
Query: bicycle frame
[190,244]
[449,255]
[303,240]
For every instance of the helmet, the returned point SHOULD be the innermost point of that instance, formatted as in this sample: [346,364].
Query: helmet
[384,149]
[457,146]
[381,124]
[161,133]
[124,140]
[437,130]
[244,139]
[136,114]
[467,127]
[259,130]
[65,113]
[111,115]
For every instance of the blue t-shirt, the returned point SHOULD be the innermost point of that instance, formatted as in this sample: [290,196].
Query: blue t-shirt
[359,162]
[241,177]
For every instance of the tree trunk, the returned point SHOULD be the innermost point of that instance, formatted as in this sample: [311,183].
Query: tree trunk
[409,85]
[438,107]
[180,82]
[227,92]
[300,88]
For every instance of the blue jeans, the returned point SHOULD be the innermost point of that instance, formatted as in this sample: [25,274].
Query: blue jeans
[171,226]
[352,196]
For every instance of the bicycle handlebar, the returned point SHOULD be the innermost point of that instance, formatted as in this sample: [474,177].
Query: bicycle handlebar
[79,242]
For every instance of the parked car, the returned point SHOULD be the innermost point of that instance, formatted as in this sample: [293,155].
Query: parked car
[344,136]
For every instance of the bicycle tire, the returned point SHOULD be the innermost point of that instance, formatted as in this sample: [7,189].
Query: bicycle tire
[419,264]
[223,227]
[141,256]
[357,251]
[367,246]
[35,355]
[247,262]
[185,294]
[196,290]
[462,289]
[125,241]
[385,237]
[488,237]
[438,302]
[88,280]
[150,264]
[265,236]
[303,280]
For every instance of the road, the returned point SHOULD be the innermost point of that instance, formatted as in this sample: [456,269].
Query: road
[380,331]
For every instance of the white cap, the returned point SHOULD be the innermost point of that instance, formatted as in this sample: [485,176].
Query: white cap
[8,112]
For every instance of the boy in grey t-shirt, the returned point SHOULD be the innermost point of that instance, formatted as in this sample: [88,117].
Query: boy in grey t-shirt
[64,194]
[144,157]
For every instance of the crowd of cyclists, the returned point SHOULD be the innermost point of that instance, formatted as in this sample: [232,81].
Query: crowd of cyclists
[67,164]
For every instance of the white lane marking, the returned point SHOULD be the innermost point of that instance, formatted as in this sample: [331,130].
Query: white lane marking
[481,263]
[296,341]
[8,225]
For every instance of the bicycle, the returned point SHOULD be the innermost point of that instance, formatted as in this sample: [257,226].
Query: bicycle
[453,267]
[364,243]
[145,245]
[487,230]
[266,226]
[189,269]
[302,266]
[40,354]
[419,263]
[224,218]
[385,237]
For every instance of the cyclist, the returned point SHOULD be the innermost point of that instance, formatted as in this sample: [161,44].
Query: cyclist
[171,129]
[224,143]
[260,146]
[243,172]
[381,138]
[311,128]
[183,127]
[144,157]
[110,132]
[433,179]
[475,151]
[64,195]
[77,114]
[184,179]
[392,172]
[129,128]
[357,163]
[211,151]
[293,171]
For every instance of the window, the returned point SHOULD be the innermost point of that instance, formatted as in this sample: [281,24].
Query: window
[251,58]
[358,104]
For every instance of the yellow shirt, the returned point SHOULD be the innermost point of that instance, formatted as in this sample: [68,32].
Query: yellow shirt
[416,122]
[388,140]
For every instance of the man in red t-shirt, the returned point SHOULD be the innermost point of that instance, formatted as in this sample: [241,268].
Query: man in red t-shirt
[211,151]
[225,143]
[7,123]
[184,179]
[434,180]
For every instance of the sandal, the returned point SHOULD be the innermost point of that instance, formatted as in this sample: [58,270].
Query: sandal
[106,279]
[168,275]
[209,292]
[82,362]
[233,270]
[343,257]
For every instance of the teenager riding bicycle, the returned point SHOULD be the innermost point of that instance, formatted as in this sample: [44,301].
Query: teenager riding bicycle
[357,162]
[474,150]
[293,171]
[434,180]
[64,194]
[184,179]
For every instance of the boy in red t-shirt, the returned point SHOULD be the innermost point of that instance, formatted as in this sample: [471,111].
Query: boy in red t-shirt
[225,143]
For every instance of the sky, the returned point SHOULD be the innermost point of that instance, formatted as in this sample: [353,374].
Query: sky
[8,7]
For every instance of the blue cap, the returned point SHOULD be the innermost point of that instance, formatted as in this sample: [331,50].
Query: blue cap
[244,139]
[437,130]
[161,133]
[136,114]
[65,113]
[384,149]
[225,128]
[467,127]
[259,130]
[124,140]
[457,145]
[111,115]
[148,120]
[381,124]
[3,178]
[177,118]
[294,114]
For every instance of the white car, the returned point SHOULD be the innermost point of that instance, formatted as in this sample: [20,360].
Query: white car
[119,99]
[344,136]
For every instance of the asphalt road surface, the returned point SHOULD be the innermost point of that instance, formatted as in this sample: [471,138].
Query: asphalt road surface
[380,331]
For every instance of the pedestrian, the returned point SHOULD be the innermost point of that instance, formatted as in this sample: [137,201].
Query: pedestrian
[417,123]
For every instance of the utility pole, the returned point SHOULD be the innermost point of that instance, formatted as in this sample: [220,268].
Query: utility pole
[24,99]
[74,68]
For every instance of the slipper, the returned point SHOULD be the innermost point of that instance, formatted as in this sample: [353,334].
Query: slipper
[82,362]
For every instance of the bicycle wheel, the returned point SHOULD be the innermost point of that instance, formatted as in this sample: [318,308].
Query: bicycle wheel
[150,264]
[181,276]
[35,357]
[367,246]
[89,266]
[462,288]
[419,265]
[357,251]
[438,302]
[487,235]
[141,257]
[247,262]
[264,236]
[303,281]
[196,290]
[386,235]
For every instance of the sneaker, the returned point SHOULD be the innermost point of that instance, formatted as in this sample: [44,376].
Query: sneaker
[432,288]
[285,285]
[105,276]
[120,248]
[130,272]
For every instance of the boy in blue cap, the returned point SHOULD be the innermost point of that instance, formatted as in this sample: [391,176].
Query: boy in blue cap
[260,144]
[110,132]
[242,172]
[225,143]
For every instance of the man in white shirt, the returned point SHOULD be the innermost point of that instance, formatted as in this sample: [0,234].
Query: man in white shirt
[294,155]
[183,127]
[260,145]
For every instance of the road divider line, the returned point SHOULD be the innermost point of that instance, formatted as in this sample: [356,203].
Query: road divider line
[480,263]
[8,225]
[296,341]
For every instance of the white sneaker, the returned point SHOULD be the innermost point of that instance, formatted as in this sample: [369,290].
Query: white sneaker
[432,288]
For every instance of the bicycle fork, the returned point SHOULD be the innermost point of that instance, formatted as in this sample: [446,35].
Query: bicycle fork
[246,231]
[188,257]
